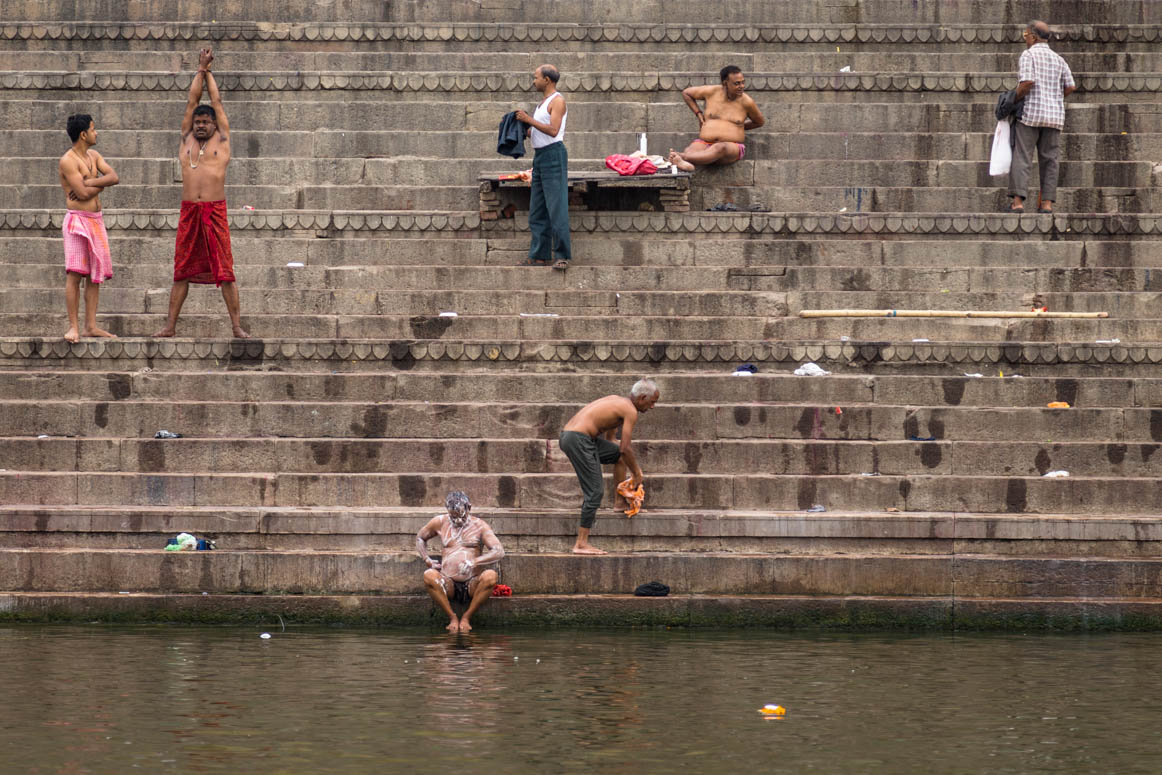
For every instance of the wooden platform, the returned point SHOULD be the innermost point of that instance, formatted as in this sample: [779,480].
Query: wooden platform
[593,190]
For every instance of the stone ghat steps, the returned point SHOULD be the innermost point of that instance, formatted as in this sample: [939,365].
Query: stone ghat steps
[1065,360]
[658,115]
[389,280]
[397,85]
[515,387]
[865,197]
[768,492]
[700,421]
[355,12]
[342,573]
[830,453]
[456,145]
[839,612]
[928,58]
[142,177]
[553,530]
[598,325]
[134,247]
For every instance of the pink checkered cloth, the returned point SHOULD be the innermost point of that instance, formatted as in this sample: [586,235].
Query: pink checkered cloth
[87,245]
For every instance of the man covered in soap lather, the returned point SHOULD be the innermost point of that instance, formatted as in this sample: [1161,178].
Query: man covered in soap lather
[458,574]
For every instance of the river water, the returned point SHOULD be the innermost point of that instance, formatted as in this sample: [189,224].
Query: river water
[223,700]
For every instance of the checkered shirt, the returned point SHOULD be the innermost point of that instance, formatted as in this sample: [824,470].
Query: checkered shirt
[1045,102]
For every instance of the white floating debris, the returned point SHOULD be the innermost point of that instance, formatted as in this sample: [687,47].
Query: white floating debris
[265,636]
[811,369]
[1056,475]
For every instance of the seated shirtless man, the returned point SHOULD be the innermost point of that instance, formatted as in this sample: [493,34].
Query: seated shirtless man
[457,574]
[729,113]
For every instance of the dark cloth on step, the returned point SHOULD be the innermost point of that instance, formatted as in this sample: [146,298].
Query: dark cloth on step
[510,139]
[652,589]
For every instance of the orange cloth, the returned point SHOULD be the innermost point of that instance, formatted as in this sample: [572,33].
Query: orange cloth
[635,497]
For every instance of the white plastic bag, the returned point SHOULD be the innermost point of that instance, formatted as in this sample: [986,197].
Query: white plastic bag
[1002,155]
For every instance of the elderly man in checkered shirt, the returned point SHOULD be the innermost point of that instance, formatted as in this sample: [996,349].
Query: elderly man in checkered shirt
[1045,82]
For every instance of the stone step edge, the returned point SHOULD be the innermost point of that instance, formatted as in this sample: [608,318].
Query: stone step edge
[411,352]
[270,613]
[1057,225]
[471,82]
[590,32]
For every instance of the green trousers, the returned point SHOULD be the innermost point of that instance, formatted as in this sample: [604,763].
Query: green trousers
[549,204]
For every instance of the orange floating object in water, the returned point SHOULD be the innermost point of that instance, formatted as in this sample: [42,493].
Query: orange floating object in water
[773,710]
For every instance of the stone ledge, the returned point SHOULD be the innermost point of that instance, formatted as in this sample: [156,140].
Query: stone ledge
[549,33]
[784,612]
[409,352]
[459,82]
[748,224]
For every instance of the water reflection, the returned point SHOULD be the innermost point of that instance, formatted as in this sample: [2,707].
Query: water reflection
[80,700]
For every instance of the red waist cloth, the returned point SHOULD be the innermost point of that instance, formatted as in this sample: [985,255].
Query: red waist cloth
[202,254]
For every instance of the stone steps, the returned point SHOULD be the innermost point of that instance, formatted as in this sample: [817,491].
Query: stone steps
[495,386]
[1066,360]
[591,249]
[543,420]
[515,59]
[882,534]
[143,176]
[208,321]
[342,573]
[332,144]
[864,197]
[954,453]
[660,113]
[771,492]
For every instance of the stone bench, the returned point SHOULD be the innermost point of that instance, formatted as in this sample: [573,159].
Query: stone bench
[592,190]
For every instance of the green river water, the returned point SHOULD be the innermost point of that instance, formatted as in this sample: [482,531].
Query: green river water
[223,700]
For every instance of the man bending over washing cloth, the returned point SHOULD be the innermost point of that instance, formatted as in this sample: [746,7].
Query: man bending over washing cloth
[203,251]
[587,440]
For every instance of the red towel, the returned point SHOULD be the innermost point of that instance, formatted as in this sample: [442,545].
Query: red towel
[629,165]
[202,254]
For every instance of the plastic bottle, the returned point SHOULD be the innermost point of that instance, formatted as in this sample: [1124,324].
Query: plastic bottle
[642,143]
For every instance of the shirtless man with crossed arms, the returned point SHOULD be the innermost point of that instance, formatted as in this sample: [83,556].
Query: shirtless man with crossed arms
[729,113]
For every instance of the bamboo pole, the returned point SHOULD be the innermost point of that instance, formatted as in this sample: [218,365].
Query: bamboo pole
[942,313]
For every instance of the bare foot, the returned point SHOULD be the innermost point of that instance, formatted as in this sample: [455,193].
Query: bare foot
[454,625]
[240,334]
[166,332]
[677,160]
[586,549]
[99,332]
[464,625]
[71,335]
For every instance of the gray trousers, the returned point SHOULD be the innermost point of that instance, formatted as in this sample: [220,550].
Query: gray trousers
[587,454]
[1048,144]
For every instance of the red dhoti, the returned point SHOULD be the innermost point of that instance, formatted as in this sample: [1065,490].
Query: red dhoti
[202,254]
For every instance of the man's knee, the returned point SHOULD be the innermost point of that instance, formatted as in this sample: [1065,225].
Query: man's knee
[489,578]
[432,578]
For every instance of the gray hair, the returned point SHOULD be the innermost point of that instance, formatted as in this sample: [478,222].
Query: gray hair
[550,72]
[1040,29]
[643,388]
